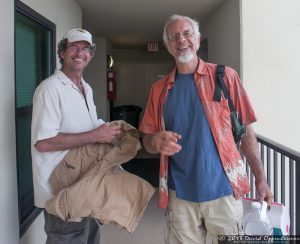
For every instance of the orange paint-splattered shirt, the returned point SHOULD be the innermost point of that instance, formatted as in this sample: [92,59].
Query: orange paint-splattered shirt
[217,114]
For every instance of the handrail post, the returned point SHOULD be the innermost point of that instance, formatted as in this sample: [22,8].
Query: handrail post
[297,189]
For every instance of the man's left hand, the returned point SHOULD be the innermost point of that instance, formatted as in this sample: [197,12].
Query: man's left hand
[264,192]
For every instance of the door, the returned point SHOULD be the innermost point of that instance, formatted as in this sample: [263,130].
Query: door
[33,63]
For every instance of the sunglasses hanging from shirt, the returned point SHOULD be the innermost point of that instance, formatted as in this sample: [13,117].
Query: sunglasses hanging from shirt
[238,129]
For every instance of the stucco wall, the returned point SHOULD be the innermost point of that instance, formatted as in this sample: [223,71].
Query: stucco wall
[270,60]
[9,227]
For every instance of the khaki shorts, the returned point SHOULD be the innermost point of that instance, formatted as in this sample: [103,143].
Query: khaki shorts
[194,223]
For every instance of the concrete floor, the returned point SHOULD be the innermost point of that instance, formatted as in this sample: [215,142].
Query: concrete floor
[150,229]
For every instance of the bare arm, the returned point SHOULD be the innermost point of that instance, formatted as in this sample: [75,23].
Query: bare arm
[105,133]
[250,150]
[164,142]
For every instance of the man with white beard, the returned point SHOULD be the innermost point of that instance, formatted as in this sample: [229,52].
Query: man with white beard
[193,134]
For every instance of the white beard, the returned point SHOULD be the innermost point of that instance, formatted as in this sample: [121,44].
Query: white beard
[185,58]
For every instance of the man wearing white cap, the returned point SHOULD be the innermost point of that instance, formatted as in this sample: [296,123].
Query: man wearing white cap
[64,117]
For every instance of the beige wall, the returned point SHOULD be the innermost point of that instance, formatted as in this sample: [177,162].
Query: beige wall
[271,54]
[136,70]
[95,75]
[222,30]
[134,80]
[9,227]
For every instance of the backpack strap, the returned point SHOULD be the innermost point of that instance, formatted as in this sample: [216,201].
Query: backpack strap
[220,86]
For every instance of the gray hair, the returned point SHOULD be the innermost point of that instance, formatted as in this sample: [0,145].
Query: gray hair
[62,46]
[175,17]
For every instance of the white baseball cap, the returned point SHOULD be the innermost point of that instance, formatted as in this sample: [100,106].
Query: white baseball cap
[78,34]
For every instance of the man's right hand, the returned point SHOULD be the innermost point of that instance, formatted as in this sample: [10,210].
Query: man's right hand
[107,132]
[164,142]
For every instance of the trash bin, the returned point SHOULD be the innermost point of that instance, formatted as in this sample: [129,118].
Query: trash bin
[128,113]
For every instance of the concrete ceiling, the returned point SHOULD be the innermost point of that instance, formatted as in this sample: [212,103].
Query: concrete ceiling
[132,23]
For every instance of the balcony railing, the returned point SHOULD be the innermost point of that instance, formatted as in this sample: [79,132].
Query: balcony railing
[282,167]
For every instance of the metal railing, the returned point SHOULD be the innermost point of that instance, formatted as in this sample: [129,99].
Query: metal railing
[282,167]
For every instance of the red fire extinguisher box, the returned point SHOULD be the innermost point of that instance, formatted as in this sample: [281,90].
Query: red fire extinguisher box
[111,85]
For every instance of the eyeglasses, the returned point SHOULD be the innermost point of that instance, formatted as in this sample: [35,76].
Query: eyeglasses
[75,49]
[176,36]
